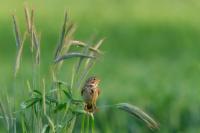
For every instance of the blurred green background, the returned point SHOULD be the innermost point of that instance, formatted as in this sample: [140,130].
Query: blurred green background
[152,55]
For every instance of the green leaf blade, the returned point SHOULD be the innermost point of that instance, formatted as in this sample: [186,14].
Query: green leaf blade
[72,55]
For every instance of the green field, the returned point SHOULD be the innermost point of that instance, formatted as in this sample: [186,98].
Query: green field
[151,57]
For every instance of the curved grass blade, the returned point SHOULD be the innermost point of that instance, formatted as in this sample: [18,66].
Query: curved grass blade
[62,37]
[84,73]
[29,103]
[60,107]
[80,112]
[82,44]
[71,124]
[51,123]
[19,44]
[28,20]
[77,102]
[66,90]
[60,83]
[37,92]
[96,47]
[72,55]
[141,115]
[17,32]
[19,55]
[80,61]
[45,128]
[89,63]
[69,95]
[66,44]
[36,43]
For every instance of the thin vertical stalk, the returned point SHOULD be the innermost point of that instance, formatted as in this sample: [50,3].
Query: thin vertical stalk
[88,124]
[43,97]
[92,124]
[83,124]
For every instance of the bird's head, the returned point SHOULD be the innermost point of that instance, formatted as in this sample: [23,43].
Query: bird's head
[93,81]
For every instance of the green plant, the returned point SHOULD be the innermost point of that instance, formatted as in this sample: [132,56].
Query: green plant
[56,107]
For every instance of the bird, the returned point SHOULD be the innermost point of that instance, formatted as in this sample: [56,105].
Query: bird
[90,93]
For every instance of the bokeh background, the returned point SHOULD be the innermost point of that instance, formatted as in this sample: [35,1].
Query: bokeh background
[152,56]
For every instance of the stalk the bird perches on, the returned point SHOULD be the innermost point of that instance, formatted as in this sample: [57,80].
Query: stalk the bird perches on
[90,93]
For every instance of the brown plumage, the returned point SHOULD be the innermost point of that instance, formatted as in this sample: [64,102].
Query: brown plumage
[90,93]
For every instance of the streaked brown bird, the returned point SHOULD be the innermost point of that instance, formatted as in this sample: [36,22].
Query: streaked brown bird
[90,93]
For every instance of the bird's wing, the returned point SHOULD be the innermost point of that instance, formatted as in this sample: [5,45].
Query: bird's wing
[91,92]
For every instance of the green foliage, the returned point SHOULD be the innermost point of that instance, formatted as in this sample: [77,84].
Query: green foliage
[151,60]
[56,108]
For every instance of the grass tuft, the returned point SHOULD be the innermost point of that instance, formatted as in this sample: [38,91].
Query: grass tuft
[54,105]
